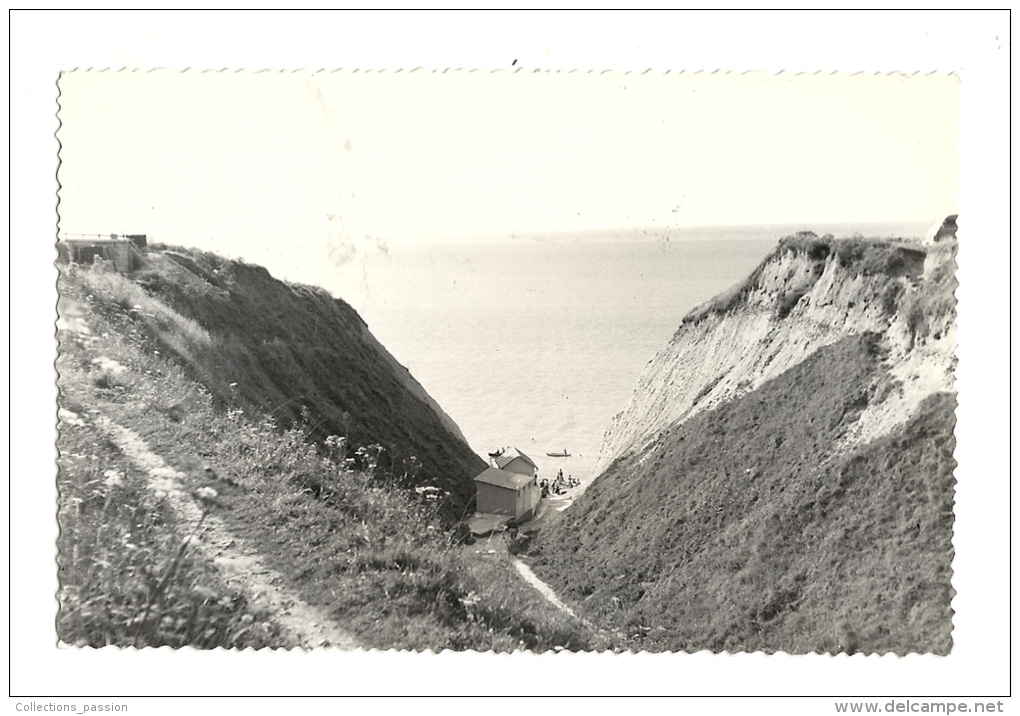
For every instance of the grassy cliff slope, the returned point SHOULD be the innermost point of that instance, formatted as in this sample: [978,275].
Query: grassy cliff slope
[747,528]
[299,355]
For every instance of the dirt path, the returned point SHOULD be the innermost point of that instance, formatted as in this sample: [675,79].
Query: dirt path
[544,589]
[240,565]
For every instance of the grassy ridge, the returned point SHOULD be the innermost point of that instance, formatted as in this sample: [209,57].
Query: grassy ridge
[744,529]
[295,353]
[375,555]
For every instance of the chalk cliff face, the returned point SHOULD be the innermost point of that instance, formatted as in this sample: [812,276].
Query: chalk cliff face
[808,293]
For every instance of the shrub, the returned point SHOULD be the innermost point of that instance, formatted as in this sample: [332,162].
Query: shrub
[819,250]
[708,388]
[788,301]
[522,544]
[891,297]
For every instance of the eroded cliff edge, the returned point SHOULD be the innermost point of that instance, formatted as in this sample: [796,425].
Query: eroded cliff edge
[808,293]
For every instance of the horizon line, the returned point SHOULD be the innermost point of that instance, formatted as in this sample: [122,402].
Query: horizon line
[647,232]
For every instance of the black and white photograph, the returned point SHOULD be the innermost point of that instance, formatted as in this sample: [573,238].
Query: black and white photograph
[508,361]
[511,364]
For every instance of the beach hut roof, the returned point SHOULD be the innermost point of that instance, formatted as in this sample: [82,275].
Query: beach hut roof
[503,478]
[509,455]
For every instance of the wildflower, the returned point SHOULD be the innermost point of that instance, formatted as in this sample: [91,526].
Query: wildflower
[471,599]
[206,493]
[162,486]
[113,478]
[71,418]
[209,498]
[233,385]
[109,365]
[335,441]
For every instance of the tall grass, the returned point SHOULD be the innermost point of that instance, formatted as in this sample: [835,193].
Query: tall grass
[127,574]
[180,334]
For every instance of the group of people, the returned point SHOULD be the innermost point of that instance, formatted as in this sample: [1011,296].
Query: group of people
[559,485]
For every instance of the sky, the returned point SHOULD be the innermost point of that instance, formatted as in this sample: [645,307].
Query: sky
[256,164]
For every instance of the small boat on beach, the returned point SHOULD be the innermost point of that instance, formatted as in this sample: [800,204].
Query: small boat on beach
[559,454]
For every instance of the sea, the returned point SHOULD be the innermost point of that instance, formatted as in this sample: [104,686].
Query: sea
[536,343]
